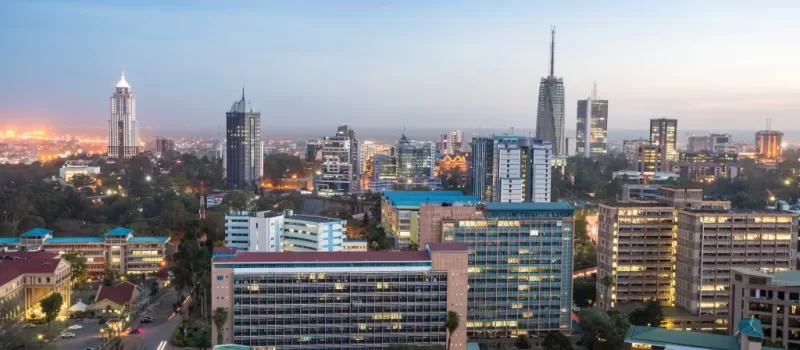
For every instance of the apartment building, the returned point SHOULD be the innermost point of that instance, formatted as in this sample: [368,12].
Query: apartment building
[635,253]
[772,298]
[340,300]
[117,249]
[712,242]
[28,277]
[272,232]
[400,211]
[520,268]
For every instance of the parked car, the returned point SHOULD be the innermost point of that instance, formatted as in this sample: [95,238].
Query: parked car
[68,335]
[102,321]
[75,326]
[134,331]
[28,325]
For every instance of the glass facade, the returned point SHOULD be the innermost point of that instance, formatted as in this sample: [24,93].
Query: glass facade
[520,270]
[339,310]
[414,158]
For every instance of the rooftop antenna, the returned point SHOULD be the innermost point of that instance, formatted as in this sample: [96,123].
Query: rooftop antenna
[594,90]
[242,92]
[552,50]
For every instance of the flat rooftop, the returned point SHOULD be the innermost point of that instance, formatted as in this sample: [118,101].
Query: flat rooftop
[527,206]
[312,218]
[322,257]
[735,211]
[637,205]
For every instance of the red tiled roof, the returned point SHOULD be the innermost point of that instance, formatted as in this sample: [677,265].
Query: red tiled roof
[224,250]
[383,256]
[120,294]
[447,247]
[32,262]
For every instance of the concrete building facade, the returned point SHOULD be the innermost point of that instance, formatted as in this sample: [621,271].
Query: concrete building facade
[340,300]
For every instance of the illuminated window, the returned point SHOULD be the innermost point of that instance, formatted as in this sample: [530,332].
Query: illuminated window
[362,326]
[338,286]
[534,232]
[382,285]
[513,260]
[252,287]
[516,305]
[527,314]
[114,260]
[523,287]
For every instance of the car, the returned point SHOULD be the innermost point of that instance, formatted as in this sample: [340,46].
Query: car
[134,331]
[75,326]
[28,325]
[148,317]
[68,335]
[102,321]
[146,320]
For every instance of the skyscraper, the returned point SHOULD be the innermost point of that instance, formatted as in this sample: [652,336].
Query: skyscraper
[769,146]
[592,127]
[664,132]
[450,143]
[340,170]
[414,159]
[123,129]
[550,114]
[245,151]
[482,163]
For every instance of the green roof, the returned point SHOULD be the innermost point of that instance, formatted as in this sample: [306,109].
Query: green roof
[664,337]
[787,276]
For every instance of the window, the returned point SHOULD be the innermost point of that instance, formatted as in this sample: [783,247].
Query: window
[219,278]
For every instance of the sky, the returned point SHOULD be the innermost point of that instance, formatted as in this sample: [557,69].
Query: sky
[714,65]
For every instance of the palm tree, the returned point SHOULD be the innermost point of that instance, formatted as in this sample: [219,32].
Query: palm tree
[220,318]
[451,323]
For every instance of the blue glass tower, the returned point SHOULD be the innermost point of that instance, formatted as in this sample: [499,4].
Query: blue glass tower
[520,268]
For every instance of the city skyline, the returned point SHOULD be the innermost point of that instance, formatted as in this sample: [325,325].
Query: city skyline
[391,75]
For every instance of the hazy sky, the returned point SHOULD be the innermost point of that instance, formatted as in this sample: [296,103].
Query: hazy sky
[712,64]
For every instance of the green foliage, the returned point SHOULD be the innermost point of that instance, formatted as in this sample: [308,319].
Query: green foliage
[110,277]
[153,289]
[451,323]
[280,166]
[220,317]
[377,238]
[80,180]
[77,263]
[237,200]
[584,292]
[523,342]
[650,315]
[7,229]
[51,306]
[556,341]
[602,331]
[585,248]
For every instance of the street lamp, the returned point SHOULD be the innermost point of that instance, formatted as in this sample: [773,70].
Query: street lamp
[148,178]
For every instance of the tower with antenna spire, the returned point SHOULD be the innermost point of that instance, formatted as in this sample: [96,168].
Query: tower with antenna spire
[550,111]
[123,128]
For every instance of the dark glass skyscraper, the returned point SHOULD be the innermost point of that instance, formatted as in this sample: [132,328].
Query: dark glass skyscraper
[482,164]
[244,157]
[414,159]
[550,114]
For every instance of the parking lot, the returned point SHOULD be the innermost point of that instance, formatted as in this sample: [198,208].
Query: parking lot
[87,337]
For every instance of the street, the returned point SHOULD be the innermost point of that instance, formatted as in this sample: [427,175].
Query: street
[158,334]
[86,337]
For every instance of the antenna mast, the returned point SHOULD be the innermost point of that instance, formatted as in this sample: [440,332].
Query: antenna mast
[552,50]
[594,90]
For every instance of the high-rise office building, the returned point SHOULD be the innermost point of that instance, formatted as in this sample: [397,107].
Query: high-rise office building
[592,127]
[699,144]
[340,169]
[550,113]
[414,159]
[162,145]
[769,146]
[712,242]
[244,155]
[482,167]
[450,143]
[771,297]
[650,159]
[370,149]
[123,128]
[664,132]
[343,300]
[719,143]
[520,269]
[630,148]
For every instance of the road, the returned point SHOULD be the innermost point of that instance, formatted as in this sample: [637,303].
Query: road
[86,337]
[156,335]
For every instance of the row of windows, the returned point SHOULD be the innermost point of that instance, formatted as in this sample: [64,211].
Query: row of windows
[311,265]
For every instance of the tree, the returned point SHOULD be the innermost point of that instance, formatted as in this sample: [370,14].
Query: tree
[451,323]
[153,290]
[80,180]
[584,292]
[650,315]
[173,216]
[602,330]
[220,318]
[7,229]
[51,306]
[237,200]
[110,277]
[556,341]
[77,263]
[523,343]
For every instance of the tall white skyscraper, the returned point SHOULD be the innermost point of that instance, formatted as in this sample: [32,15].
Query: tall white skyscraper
[340,171]
[123,129]
[450,143]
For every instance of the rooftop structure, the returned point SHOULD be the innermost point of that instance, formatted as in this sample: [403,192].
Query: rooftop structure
[748,337]
[400,211]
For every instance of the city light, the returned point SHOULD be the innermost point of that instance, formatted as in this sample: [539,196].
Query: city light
[148,178]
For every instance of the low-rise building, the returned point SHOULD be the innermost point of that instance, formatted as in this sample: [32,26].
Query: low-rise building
[118,249]
[67,171]
[123,296]
[749,336]
[28,277]
[272,232]
[340,300]
[400,208]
